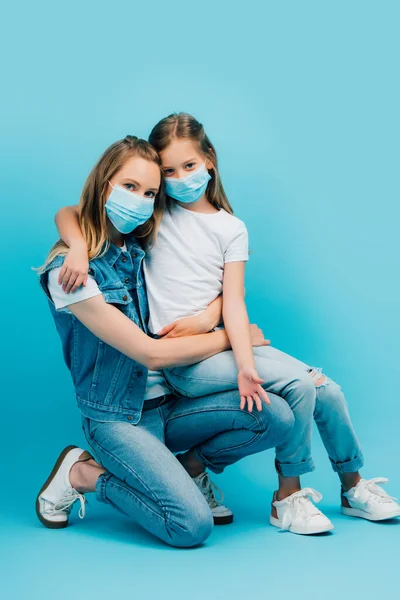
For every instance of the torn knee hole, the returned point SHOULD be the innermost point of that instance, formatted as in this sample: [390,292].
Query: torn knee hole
[317,375]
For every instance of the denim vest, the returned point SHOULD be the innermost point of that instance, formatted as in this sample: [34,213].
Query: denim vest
[109,386]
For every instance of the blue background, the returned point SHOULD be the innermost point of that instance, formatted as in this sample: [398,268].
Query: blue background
[302,102]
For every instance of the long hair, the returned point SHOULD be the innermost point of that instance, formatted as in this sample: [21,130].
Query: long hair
[92,214]
[184,126]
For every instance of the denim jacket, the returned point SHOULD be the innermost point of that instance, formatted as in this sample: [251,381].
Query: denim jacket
[109,386]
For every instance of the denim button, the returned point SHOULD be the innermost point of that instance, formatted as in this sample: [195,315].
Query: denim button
[135,255]
[129,417]
[124,259]
[126,279]
[125,298]
[139,372]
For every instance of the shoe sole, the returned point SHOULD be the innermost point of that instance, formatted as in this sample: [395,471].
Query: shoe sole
[278,523]
[223,520]
[360,514]
[46,522]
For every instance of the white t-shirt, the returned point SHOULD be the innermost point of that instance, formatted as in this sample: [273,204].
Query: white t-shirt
[185,267]
[156,385]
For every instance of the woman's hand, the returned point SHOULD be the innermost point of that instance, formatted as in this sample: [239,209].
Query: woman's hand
[257,337]
[187,326]
[250,389]
[75,269]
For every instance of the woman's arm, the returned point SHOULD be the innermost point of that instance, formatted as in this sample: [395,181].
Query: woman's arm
[237,326]
[202,323]
[75,269]
[114,328]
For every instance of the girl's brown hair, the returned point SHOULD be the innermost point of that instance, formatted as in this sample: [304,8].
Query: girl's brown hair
[92,214]
[184,126]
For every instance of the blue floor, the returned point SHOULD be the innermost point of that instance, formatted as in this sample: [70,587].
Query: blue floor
[106,556]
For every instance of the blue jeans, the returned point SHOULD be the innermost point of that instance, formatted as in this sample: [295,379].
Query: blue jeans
[291,379]
[146,482]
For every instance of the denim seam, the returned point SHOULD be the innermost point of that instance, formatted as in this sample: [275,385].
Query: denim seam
[207,379]
[164,516]
[117,460]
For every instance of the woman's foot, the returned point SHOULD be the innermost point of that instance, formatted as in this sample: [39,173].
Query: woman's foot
[367,500]
[298,514]
[56,497]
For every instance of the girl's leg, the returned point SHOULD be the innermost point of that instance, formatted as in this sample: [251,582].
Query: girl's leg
[286,378]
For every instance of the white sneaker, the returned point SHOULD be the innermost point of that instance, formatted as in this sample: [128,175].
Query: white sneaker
[222,514]
[55,499]
[367,500]
[297,513]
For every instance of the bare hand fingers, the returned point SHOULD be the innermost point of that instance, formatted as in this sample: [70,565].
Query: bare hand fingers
[257,401]
[250,403]
[242,402]
[61,275]
[70,283]
[166,329]
[78,283]
[264,395]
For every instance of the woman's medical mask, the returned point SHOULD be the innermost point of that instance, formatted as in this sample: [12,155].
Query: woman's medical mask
[127,210]
[190,188]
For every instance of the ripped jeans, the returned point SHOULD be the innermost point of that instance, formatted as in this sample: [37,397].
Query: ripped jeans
[309,394]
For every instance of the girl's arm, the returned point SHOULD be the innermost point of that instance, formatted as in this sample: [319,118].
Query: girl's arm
[75,269]
[237,326]
[114,328]
[202,323]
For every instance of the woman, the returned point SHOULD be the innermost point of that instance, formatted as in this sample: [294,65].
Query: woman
[131,421]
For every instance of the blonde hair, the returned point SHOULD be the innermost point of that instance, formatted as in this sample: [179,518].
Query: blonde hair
[92,214]
[184,126]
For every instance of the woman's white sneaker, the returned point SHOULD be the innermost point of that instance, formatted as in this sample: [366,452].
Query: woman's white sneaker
[367,500]
[222,514]
[298,514]
[56,497]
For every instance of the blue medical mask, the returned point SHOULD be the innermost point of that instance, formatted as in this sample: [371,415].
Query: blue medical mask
[190,188]
[127,210]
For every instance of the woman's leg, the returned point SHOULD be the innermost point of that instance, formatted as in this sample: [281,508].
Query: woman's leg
[217,433]
[145,481]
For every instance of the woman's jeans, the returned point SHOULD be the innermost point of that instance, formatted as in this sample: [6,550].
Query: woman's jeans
[298,384]
[145,481]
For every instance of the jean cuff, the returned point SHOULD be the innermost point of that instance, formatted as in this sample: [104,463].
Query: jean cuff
[294,469]
[101,485]
[349,466]
[200,456]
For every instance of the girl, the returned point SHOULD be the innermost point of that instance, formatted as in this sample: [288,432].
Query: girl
[200,252]
[130,420]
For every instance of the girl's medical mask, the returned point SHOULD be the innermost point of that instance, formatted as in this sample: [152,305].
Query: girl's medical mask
[190,188]
[127,210]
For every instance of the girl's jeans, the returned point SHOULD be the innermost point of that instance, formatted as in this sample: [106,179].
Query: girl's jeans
[145,481]
[294,381]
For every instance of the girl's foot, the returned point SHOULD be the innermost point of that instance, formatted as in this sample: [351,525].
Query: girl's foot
[222,514]
[367,500]
[297,513]
[56,497]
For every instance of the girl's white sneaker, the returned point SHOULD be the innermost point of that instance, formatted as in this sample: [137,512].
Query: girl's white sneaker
[56,497]
[367,500]
[298,514]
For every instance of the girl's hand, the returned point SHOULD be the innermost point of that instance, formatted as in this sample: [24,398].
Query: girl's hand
[257,337]
[250,389]
[187,326]
[75,269]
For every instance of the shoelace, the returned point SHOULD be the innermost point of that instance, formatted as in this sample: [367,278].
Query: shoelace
[209,488]
[300,502]
[67,500]
[367,489]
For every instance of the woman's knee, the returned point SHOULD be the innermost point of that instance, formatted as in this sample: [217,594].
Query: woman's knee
[195,526]
[276,421]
